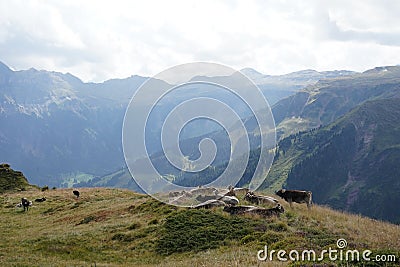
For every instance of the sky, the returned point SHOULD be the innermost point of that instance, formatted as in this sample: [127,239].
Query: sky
[100,40]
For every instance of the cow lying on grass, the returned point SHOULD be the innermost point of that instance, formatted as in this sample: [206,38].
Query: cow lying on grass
[296,196]
[43,199]
[230,200]
[259,199]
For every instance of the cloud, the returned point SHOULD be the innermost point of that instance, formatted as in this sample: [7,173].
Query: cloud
[340,29]
[99,40]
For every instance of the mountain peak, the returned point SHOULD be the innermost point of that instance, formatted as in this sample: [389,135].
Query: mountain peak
[304,72]
[250,71]
[383,69]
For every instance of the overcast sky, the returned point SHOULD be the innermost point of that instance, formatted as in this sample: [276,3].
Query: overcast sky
[98,40]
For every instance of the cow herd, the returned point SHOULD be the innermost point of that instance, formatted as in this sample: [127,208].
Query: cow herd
[25,203]
[228,199]
[210,197]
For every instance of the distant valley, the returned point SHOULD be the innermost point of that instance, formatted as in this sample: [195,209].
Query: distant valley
[337,134]
[57,128]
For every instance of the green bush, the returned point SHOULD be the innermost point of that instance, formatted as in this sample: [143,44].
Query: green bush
[134,226]
[271,237]
[123,237]
[278,227]
[87,219]
[251,238]
[196,230]
[290,243]
[154,221]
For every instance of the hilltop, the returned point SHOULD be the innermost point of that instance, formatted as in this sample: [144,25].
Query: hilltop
[11,180]
[112,227]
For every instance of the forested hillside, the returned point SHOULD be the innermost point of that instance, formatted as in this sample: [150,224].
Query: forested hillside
[350,164]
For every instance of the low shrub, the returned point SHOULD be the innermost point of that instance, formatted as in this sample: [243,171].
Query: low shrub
[196,230]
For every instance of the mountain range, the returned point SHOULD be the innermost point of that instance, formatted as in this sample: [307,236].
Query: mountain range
[57,128]
[337,133]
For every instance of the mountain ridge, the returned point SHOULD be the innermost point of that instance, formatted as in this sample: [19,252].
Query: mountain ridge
[348,164]
[328,99]
[53,124]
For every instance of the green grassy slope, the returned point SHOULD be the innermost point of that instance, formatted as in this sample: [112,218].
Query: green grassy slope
[112,227]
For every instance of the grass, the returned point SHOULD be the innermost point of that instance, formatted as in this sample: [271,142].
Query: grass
[196,230]
[112,227]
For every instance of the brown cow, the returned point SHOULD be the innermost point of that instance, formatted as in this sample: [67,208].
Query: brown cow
[230,200]
[240,190]
[296,196]
[233,191]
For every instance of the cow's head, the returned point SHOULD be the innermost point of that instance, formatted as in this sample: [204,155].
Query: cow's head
[280,192]
[249,195]
[280,209]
